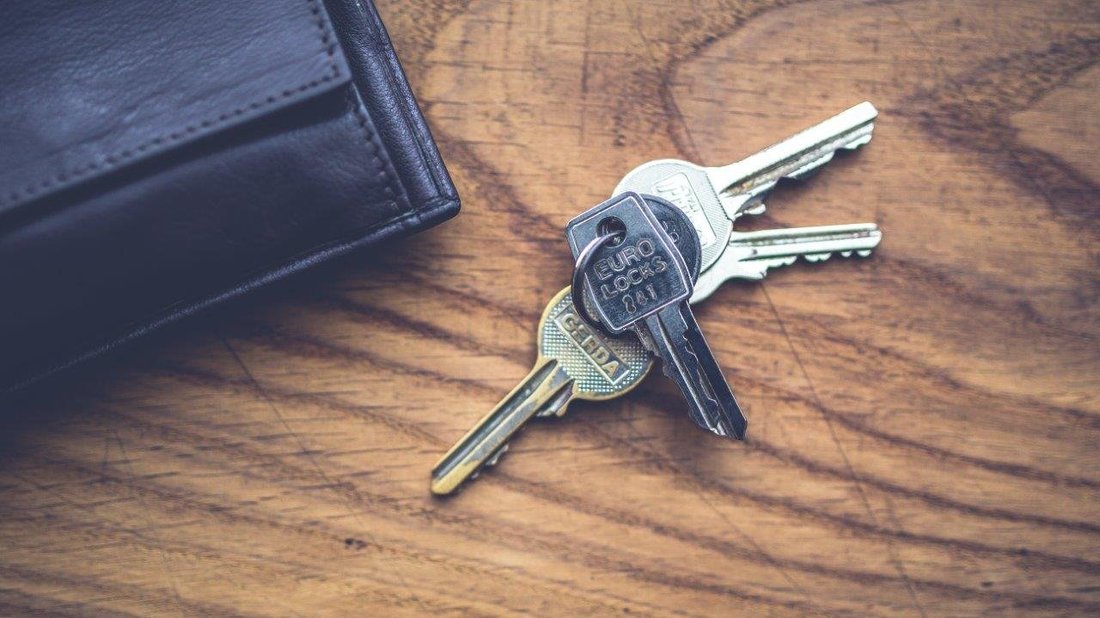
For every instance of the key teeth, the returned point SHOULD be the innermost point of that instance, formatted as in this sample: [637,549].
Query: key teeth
[817,257]
[855,145]
[492,461]
[857,252]
[757,209]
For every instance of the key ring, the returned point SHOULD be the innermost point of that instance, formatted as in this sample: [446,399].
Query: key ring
[583,260]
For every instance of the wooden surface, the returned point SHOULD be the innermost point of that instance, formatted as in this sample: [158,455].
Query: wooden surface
[924,424]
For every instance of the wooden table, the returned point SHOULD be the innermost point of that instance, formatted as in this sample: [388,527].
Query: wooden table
[924,423]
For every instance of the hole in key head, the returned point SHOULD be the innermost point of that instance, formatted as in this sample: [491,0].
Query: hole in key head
[613,226]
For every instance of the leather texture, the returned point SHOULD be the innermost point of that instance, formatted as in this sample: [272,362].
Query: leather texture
[158,157]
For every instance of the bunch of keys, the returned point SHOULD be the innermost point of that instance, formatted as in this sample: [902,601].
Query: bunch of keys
[676,218]
[576,361]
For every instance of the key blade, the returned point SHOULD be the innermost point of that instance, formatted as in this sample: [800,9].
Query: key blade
[730,418]
[688,361]
[805,241]
[743,185]
[483,444]
[799,154]
[749,255]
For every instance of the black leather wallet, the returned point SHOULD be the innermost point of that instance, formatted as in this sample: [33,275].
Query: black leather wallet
[160,157]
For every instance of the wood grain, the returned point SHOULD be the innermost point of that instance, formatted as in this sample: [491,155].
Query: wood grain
[924,424]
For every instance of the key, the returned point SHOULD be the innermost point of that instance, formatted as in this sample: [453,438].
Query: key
[749,255]
[714,197]
[637,280]
[575,361]
[680,230]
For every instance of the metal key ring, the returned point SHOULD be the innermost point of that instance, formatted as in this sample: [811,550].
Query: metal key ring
[583,260]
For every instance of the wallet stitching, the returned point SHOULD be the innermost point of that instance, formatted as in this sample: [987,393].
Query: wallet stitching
[110,161]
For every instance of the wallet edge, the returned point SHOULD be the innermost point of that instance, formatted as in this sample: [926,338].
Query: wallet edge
[430,214]
[377,62]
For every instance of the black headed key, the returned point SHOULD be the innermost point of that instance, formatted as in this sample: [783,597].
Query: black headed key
[680,231]
[635,279]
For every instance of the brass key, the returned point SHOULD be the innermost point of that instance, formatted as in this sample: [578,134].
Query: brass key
[575,362]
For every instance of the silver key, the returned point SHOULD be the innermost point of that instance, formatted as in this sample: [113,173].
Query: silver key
[749,255]
[638,280]
[714,197]
[575,362]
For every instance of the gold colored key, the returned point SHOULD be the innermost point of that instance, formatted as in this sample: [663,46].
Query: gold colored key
[575,361]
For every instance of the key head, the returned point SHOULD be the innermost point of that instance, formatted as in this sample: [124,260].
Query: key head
[680,229]
[634,275]
[601,366]
[688,187]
